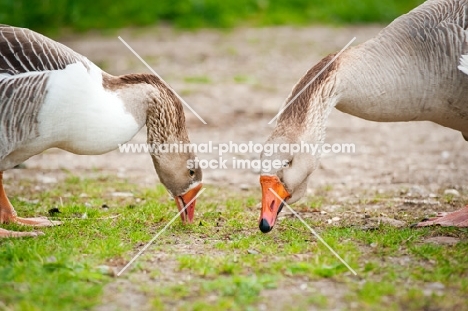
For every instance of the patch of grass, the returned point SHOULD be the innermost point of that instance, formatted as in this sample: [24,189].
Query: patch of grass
[61,269]
[245,79]
[444,262]
[86,14]
[222,261]
[198,79]
[236,292]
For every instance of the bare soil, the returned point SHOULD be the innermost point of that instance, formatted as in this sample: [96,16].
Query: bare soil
[269,62]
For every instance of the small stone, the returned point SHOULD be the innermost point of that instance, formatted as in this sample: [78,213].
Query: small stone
[392,222]
[252,251]
[47,179]
[445,154]
[122,194]
[452,192]
[373,245]
[335,218]
[106,270]
[303,286]
[83,195]
[244,187]
[443,240]
[51,259]
[436,286]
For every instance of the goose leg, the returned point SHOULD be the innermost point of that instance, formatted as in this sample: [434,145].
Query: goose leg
[8,215]
[456,219]
[15,234]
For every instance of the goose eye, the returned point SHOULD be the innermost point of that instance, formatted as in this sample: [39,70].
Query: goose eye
[191,173]
[286,163]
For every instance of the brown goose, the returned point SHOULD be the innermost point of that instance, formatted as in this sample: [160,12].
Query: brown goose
[51,96]
[414,69]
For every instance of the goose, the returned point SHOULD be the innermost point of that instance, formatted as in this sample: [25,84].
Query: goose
[414,69]
[51,96]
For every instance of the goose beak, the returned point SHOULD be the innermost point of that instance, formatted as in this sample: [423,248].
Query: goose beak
[271,204]
[188,198]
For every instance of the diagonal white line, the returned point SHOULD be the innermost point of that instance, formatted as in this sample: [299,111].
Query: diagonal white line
[168,86]
[313,232]
[311,81]
[159,233]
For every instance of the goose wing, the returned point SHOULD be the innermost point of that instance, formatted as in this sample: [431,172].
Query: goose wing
[26,59]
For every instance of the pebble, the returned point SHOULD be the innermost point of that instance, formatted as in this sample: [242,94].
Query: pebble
[51,259]
[122,194]
[435,285]
[106,270]
[452,192]
[392,222]
[253,252]
[47,179]
[433,288]
[244,187]
[442,240]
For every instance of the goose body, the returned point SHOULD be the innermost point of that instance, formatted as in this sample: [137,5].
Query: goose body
[51,96]
[77,114]
[415,69]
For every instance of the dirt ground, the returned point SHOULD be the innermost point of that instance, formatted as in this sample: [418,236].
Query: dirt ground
[236,80]
[245,76]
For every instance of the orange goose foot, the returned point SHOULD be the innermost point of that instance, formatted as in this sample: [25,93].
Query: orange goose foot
[35,222]
[8,216]
[455,219]
[15,234]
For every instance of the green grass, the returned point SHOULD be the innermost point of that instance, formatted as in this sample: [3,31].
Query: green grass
[198,79]
[61,269]
[101,14]
[222,262]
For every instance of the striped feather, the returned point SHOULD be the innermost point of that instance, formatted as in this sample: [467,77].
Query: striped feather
[26,60]
[23,50]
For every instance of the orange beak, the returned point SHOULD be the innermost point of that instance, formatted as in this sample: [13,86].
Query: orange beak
[271,204]
[186,198]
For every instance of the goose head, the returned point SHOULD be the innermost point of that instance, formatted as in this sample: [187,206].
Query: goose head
[301,122]
[286,181]
[165,123]
[181,181]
